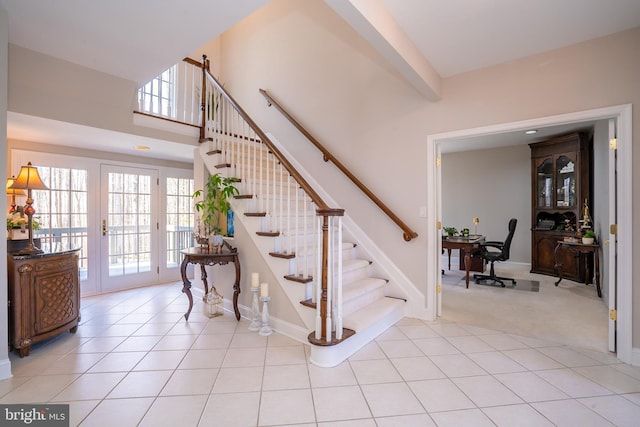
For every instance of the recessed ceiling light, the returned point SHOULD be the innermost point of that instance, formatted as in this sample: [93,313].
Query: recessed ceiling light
[531,131]
[142,148]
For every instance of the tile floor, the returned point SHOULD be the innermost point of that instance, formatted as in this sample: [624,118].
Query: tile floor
[135,362]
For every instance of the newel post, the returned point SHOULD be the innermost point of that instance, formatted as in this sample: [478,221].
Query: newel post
[203,97]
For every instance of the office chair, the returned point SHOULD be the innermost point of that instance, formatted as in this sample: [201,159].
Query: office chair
[496,251]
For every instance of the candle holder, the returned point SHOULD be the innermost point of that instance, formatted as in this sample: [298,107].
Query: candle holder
[265,329]
[255,311]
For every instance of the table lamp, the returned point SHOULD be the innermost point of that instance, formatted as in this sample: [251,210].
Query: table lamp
[13,193]
[29,179]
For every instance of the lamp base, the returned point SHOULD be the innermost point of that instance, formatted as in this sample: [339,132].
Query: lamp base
[29,249]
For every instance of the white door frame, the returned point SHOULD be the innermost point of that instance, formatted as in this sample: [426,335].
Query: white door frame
[622,115]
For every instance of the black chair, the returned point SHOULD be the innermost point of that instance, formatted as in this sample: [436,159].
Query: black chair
[493,251]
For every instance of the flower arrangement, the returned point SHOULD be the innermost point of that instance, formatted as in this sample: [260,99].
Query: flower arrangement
[16,220]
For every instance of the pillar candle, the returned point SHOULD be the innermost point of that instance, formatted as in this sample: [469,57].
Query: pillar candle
[264,290]
[254,280]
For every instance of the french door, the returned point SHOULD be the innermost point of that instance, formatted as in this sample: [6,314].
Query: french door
[129,227]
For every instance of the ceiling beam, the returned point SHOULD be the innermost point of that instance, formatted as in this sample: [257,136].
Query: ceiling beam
[372,21]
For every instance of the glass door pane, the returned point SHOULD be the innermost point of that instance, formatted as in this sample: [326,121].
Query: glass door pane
[565,182]
[129,227]
[545,184]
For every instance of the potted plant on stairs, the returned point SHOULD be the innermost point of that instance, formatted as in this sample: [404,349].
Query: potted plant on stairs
[213,205]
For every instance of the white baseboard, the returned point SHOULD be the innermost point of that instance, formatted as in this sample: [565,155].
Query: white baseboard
[5,369]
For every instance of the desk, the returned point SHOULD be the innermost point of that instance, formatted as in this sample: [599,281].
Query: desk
[205,257]
[468,245]
[580,248]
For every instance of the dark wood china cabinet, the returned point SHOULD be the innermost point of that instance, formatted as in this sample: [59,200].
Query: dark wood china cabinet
[561,183]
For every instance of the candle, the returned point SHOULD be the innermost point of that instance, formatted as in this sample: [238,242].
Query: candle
[264,290]
[254,280]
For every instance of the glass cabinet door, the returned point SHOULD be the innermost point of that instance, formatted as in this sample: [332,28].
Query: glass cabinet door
[565,182]
[545,183]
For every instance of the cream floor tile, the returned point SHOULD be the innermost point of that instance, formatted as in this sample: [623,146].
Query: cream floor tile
[417,368]
[532,359]
[283,377]
[420,420]
[375,371]
[611,378]
[100,345]
[391,399]
[74,363]
[495,362]
[190,381]
[567,356]
[503,342]
[364,422]
[457,365]
[570,413]
[572,383]
[231,410]
[340,403]
[470,344]
[134,317]
[223,327]
[90,386]
[79,409]
[615,409]
[118,412]
[121,329]
[232,380]
[486,391]
[141,384]
[632,397]
[187,328]
[118,362]
[171,411]
[282,407]
[161,360]
[175,342]
[632,371]
[138,343]
[153,329]
[241,357]
[462,418]
[392,334]
[212,341]
[340,375]
[400,348]
[279,340]
[415,331]
[248,340]
[440,395]
[286,355]
[10,384]
[202,359]
[370,351]
[516,416]
[39,389]
[436,346]
[530,387]
[445,329]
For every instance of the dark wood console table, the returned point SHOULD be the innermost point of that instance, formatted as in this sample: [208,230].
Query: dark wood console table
[204,257]
[467,245]
[580,248]
[44,297]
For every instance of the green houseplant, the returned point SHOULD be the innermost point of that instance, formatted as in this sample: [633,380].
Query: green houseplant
[588,237]
[451,231]
[214,203]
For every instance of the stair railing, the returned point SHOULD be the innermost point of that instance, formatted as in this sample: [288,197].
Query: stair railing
[407,232]
[284,201]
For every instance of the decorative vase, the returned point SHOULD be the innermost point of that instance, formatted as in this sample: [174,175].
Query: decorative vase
[17,234]
[588,240]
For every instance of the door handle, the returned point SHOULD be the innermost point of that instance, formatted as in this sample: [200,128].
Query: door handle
[104,227]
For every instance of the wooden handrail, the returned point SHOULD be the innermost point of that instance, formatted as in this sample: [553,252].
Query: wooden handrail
[313,195]
[407,234]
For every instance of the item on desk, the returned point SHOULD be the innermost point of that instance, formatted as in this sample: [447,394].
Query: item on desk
[589,237]
[476,220]
[451,231]
[264,290]
[465,232]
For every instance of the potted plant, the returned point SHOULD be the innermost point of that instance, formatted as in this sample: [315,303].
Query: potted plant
[214,204]
[588,237]
[451,231]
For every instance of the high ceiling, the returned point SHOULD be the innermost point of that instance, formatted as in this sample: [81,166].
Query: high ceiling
[453,36]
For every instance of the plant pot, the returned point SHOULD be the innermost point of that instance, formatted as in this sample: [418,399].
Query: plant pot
[17,234]
[588,240]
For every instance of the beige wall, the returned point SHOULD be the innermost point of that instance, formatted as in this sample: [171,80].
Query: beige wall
[5,365]
[350,99]
[495,186]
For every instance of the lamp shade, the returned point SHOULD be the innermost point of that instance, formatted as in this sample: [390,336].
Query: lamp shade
[28,179]
[14,191]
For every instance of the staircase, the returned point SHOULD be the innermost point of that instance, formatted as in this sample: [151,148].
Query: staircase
[282,223]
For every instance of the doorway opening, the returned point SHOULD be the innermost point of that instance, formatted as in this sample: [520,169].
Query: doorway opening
[622,263]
